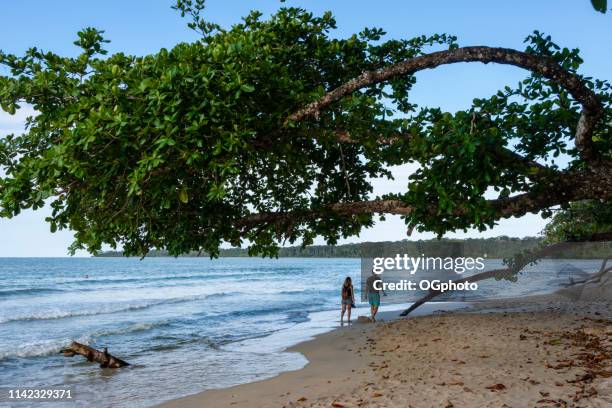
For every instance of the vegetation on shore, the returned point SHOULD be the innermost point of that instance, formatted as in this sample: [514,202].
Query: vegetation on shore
[496,248]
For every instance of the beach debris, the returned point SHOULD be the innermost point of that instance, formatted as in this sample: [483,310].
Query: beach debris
[91,354]
[593,356]
[496,387]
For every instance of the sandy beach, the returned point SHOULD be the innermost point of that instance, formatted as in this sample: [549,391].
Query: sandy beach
[543,351]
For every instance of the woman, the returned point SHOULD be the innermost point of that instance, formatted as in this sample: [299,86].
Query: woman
[348,298]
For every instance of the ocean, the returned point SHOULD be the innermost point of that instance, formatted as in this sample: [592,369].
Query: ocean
[184,324]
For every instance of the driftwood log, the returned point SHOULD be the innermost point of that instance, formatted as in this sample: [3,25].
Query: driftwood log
[519,263]
[91,354]
[596,277]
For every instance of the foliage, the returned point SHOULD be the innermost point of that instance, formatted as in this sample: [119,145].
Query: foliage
[600,5]
[579,222]
[170,150]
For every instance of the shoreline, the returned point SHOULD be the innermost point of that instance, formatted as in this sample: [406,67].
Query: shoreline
[362,365]
[322,353]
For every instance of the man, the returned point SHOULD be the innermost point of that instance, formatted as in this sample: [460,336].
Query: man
[374,294]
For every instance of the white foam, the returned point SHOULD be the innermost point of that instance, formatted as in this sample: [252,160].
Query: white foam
[325,321]
[53,346]
[56,313]
[40,348]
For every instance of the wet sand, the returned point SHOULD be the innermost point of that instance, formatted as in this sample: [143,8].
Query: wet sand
[544,351]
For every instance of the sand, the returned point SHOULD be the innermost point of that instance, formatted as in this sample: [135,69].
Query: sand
[545,351]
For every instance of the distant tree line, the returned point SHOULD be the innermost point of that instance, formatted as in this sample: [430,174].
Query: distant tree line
[496,248]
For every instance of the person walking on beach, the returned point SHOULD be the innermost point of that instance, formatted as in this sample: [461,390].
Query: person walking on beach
[374,294]
[348,299]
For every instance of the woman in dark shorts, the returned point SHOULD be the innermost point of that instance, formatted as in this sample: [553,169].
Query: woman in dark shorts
[348,298]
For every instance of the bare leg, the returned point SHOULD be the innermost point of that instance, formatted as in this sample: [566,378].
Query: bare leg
[374,311]
[342,313]
[349,313]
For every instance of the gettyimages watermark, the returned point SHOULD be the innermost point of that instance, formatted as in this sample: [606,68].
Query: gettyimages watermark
[477,269]
[405,264]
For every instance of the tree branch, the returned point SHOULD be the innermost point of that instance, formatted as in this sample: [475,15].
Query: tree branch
[500,153]
[571,186]
[520,262]
[592,109]
[346,209]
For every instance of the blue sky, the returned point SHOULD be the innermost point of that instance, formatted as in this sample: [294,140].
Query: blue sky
[142,27]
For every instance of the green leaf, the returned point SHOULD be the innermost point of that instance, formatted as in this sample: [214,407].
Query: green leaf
[600,5]
[183,196]
[247,88]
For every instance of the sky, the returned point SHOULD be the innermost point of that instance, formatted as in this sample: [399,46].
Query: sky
[144,26]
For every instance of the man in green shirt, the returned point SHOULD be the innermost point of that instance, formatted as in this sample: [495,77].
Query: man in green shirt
[373,294]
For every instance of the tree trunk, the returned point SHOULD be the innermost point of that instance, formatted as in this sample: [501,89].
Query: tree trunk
[519,263]
[106,360]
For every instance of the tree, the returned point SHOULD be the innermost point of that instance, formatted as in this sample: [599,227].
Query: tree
[581,221]
[271,130]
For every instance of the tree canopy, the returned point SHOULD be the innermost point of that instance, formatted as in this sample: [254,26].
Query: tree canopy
[272,130]
[581,221]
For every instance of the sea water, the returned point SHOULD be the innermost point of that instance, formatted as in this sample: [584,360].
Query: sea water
[184,324]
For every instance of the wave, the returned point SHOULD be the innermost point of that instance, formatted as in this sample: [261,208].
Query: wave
[298,316]
[258,275]
[28,291]
[40,348]
[54,346]
[107,309]
[161,278]
[133,328]
[281,309]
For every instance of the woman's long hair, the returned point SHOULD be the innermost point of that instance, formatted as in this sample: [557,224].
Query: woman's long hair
[347,286]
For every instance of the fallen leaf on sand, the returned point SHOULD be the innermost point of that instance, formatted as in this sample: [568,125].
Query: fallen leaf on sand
[337,405]
[496,387]
[302,399]
[377,394]
[459,383]
[534,382]
[544,393]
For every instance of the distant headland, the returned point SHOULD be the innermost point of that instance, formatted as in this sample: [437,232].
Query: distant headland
[497,248]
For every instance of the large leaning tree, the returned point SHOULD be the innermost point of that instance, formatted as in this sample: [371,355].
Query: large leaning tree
[272,130]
